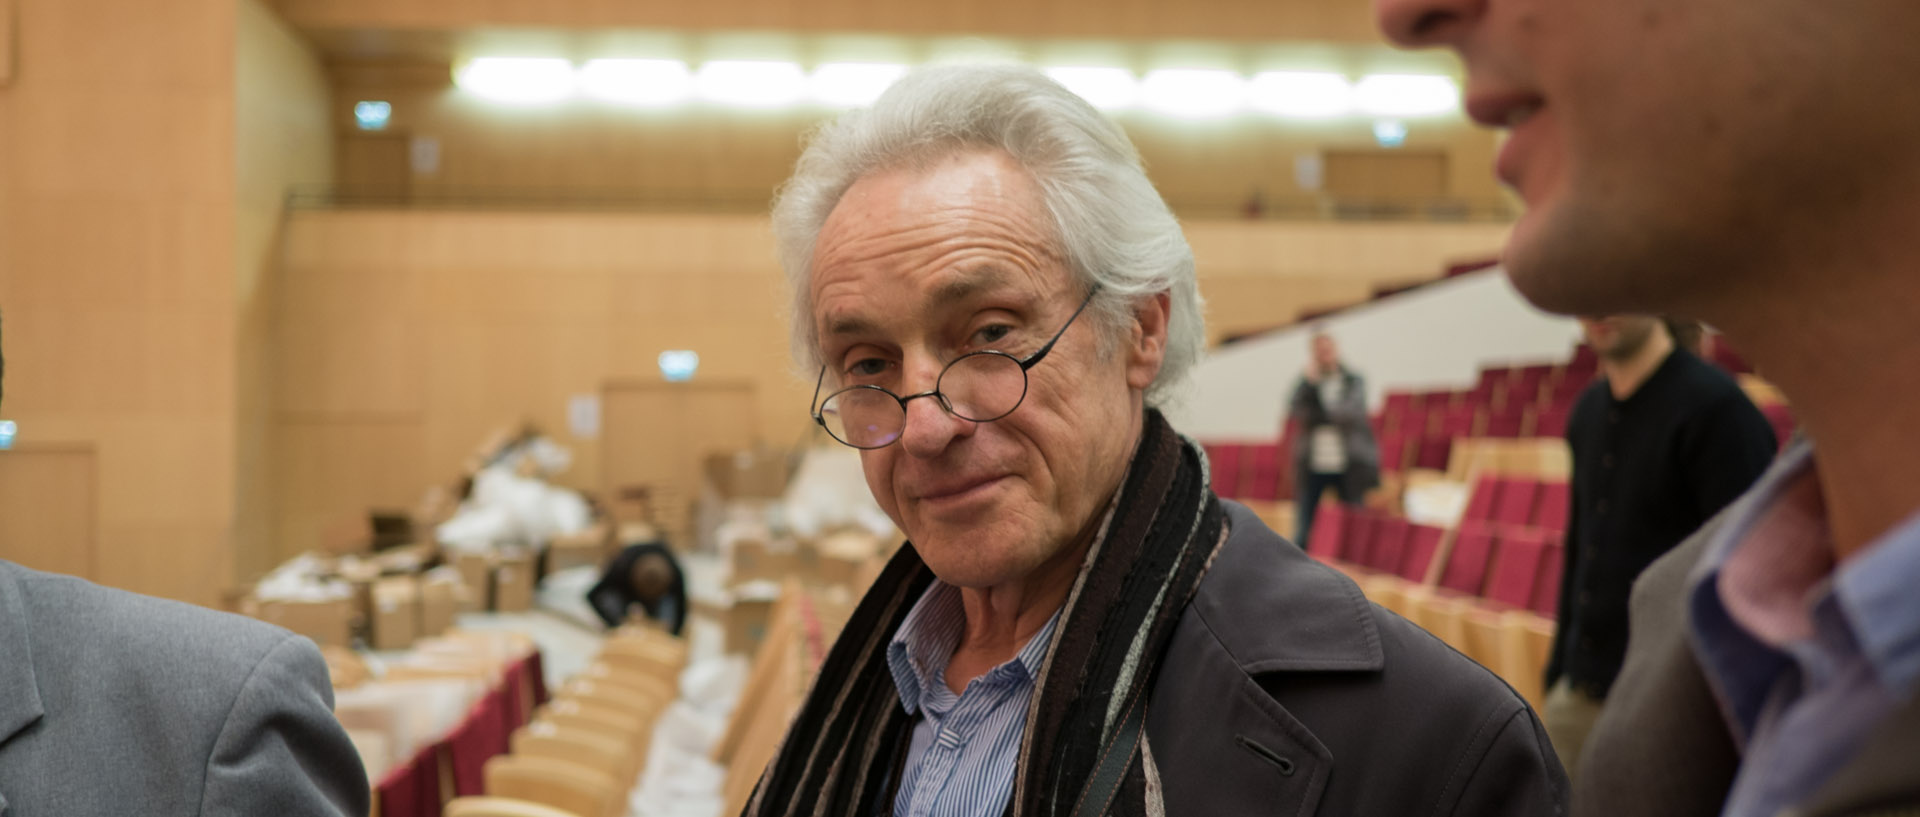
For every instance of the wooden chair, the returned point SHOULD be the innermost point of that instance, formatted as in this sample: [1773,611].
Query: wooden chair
[639,681]
[647,705]
[632,730]
[557,783]
[593,750]
[1526,641]
[500,807]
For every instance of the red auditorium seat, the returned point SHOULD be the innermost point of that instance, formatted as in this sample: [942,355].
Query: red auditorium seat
[1389,544]
[1528,381]
[1458,421]
[1585,361]
[1514,501]
[1223,460]
[1263,472]
[1546,587]
[1480,502]
[1516,567]
[1555,508]
[1503,424]
[1422,542]
[1466,568]
[1325,542]
[1393,451]
[1289,438]
[1362,526]
[1433,452]
[1549,422]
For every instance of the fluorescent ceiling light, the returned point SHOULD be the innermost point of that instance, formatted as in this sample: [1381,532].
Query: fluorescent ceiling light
[637,82]
[1298,94]
[1406,95]
[1390,133]
[518,80]
[1104,88]
[1191,92]
[852,84]
[751,83]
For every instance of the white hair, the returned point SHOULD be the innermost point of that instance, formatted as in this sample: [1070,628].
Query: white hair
[1111,225]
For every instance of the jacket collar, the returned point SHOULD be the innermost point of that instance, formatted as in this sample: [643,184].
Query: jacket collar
[1275,610]
[20,704]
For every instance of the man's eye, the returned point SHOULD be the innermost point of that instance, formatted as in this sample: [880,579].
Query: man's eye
[868,367]
[988,335]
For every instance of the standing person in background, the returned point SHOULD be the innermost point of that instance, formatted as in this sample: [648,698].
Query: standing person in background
[1336,448]
[1750,164]
[1661,442]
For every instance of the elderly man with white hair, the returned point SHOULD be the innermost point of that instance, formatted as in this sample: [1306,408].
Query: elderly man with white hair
[994,299]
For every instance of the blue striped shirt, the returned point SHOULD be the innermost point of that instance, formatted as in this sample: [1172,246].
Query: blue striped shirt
[961,760]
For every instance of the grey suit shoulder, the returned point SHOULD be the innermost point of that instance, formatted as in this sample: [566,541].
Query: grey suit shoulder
[1285,691]
[1662,748]
[115,703]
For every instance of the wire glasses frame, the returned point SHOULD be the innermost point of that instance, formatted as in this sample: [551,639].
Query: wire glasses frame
[983,389]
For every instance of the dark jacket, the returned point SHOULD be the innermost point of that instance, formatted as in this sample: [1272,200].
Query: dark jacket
[1356,428]
[613,595]
[1662,749]
[1648,471]
[1285,692]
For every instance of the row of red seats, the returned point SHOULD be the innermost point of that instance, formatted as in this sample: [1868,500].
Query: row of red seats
[1516,566]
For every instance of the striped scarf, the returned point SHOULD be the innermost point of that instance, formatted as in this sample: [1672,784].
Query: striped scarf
[846,744]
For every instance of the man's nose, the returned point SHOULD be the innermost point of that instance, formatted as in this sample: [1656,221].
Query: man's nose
[1428,23]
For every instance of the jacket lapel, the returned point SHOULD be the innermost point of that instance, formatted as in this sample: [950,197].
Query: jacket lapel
[20,703]
[1250,755]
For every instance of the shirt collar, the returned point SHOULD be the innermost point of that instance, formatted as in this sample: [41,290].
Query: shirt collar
[918,654]
[1766,582]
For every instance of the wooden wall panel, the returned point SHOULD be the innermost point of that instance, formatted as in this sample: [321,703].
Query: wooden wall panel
[508,315]
[736,159]
[48,501]
[1282,20]
[117,218]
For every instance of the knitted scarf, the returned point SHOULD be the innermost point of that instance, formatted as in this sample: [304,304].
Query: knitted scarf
[846,743]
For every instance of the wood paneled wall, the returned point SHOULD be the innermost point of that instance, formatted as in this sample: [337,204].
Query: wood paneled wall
[1285,20]
[282,138]
[1206,169]
[406,336]
[117,272]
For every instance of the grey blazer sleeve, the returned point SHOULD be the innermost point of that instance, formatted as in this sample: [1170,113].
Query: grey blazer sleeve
[280,750]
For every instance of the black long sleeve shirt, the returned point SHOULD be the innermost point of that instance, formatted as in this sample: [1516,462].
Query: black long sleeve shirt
[1648,471]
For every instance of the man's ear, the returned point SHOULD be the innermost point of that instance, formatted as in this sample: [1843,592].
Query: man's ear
[1147,339]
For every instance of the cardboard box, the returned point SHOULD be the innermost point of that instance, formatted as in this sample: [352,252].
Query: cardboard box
[439,602]
[758,474]
[396,613]
[513,584]
[746,624]
[758,561]
[476,572]
[328,623]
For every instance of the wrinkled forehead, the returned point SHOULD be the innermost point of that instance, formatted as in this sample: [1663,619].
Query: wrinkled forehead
[923,239]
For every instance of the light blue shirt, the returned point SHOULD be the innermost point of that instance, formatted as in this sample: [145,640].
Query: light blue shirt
[961,760]
[1805,659]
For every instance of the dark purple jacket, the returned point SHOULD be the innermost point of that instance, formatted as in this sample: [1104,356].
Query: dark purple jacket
[1285,692]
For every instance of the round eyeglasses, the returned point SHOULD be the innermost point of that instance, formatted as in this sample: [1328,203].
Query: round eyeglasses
[978,386]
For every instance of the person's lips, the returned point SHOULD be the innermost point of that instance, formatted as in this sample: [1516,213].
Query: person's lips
[956,490]
[1518,113]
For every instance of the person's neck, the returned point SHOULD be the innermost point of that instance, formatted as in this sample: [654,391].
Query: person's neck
[1625,376]
[1001,619]
[1842,349]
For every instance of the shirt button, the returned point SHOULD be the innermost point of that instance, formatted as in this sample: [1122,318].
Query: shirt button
[1600,507]
[1614,416]
[1606,461]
